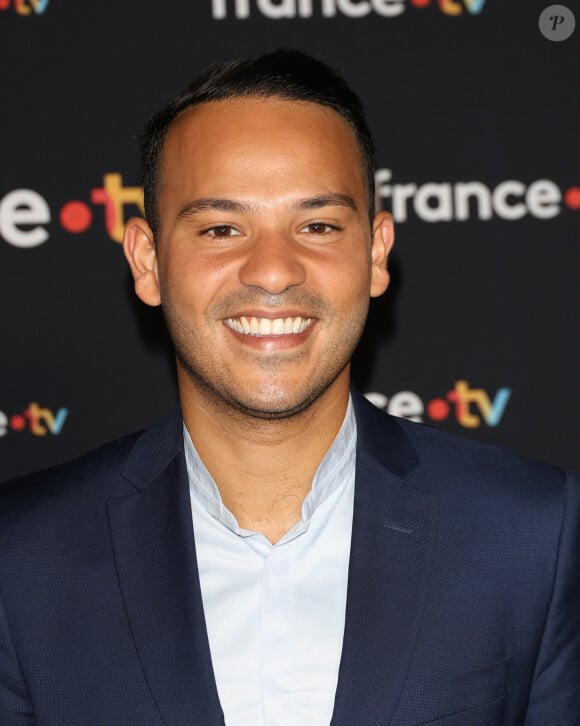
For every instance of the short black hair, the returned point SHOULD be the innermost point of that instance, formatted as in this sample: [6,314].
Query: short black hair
[286,74]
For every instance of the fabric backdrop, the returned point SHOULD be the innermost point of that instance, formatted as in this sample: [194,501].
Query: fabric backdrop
[476,116]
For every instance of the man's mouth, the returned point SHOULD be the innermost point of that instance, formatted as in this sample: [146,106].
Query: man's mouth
[268,326]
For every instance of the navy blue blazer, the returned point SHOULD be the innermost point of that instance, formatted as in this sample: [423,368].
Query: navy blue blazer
[463,603]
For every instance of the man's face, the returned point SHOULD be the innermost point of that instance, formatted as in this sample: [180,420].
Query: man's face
[263,256]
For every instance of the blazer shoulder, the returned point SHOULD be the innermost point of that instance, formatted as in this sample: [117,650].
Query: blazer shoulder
[445,462]
[93,465]
[451,459]
[74,488]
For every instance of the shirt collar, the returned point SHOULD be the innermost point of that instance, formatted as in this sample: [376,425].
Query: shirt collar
[330,476]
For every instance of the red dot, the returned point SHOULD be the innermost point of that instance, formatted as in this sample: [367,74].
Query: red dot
[17,422]
[438,409]
[76,217]
[5,4]
[572,197]
[420,3]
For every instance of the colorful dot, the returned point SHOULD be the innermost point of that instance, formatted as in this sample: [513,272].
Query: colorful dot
[420,3]
[438,409]
[572,197]
[5,4]
[76,217]
[17,422]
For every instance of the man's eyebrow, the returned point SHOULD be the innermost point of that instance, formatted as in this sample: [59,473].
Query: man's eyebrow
[334,199]
[214,204]
[222,204]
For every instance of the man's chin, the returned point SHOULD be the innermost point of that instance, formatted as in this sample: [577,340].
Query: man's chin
[272,406]
[272,403]
[267,399]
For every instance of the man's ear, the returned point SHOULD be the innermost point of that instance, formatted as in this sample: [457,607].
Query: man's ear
[139,249]
[383,240]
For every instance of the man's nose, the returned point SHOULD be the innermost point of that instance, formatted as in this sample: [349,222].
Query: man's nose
[273,263]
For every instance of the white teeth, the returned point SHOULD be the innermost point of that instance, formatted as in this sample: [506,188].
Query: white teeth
[245,323]
[278,326]
[267,326]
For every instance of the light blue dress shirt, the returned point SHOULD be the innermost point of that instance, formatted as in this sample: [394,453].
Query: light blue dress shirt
[275,613]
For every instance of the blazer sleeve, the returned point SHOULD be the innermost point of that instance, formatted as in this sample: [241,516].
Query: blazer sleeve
[15,706]
[555,693]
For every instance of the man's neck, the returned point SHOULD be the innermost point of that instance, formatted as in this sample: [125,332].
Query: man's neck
[263,468]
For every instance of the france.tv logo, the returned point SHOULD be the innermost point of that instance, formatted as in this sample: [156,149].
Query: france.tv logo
[282,9]
[25,7]
[37,420]
[24,213]
[469,406]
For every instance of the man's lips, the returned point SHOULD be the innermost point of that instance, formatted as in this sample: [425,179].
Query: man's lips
[268,327]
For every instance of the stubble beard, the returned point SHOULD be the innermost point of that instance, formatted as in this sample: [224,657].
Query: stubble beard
[275,403]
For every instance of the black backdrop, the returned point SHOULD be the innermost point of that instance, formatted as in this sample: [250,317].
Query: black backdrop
[476,116]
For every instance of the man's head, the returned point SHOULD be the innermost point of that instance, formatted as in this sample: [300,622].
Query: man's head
[262,255]
[285,74]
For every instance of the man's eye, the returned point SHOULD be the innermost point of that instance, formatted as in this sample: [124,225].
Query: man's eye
[220,231]
[319,228]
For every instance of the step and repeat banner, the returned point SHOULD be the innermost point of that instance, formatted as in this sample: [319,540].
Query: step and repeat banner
[475,106]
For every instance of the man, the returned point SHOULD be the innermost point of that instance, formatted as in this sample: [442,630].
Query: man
[279,551]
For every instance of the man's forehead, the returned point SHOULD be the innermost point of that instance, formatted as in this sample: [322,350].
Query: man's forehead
[233,116]
[234,132]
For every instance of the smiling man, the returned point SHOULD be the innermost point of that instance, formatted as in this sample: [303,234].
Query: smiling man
[277,552]
[264,259]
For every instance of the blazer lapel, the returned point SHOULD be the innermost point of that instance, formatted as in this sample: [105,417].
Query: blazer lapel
[393,539]
[154,549]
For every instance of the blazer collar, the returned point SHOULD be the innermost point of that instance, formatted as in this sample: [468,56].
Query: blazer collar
[381,439]
[155,448]
[154,551]
[393,542]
